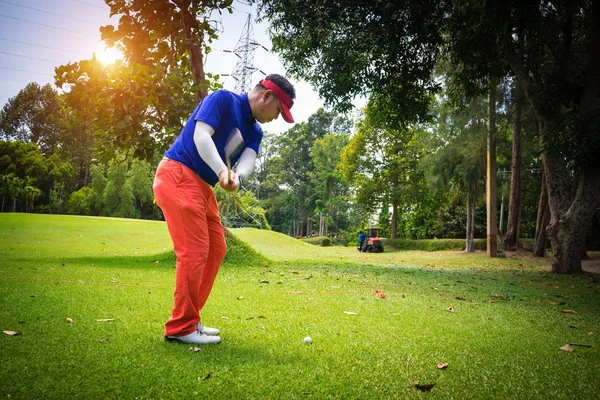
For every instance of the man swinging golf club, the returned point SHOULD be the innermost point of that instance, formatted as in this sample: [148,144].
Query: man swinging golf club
[223,132]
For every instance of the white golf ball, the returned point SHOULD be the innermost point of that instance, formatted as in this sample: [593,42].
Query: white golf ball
[307,340]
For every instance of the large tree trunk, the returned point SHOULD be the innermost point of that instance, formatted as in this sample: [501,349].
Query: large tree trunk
[471,200]
[193,46]
[570,216]
[569,221]
[543,218]
[492,224]
[511,240]
[394,233]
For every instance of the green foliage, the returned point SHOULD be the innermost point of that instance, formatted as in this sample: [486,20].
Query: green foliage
[79,202]
[331,189]
[34,116]
[382,162]
[350,48]
[301,180]
[34,178]
[123,189]
[432,244]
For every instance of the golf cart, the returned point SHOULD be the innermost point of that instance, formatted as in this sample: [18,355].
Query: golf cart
[374,243]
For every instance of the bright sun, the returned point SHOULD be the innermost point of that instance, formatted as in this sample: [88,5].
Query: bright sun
[109,55]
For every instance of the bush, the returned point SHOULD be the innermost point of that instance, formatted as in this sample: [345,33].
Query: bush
[432,244]
[318,240]
[79,202]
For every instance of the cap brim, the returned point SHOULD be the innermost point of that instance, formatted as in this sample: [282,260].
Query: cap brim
[286,114]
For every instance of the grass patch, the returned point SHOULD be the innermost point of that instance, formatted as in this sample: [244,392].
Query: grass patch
[271,293]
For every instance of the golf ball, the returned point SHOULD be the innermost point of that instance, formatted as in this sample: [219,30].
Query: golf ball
[307,340]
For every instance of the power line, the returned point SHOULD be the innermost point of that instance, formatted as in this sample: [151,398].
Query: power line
[89,4]
[45,47]
[51,13]
[48,26]
[32,58]
[29,72]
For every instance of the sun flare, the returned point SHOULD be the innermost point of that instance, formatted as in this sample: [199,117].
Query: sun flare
[109,55]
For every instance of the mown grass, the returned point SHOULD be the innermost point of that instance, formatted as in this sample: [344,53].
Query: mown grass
[266,300]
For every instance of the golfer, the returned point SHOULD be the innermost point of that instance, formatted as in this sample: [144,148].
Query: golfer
[223,131]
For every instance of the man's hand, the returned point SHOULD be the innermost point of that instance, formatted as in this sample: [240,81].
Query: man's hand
[228,180]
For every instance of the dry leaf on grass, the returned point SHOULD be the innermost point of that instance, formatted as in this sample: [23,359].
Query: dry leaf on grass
[12,333]
[590,333]
[70,320]
[105,320]
[424,388]
[442,365]
[195,349]
[206,377]
[449,309]
[568,348]
[349,313]
[569,312]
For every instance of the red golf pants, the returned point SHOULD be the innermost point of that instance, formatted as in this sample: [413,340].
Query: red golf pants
[192,215]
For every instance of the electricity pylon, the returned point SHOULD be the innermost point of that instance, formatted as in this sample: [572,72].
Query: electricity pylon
[244,50]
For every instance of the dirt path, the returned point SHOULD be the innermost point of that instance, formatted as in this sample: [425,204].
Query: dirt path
[592,265]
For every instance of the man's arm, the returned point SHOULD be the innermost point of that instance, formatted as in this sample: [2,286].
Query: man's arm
[245,164]
[209,154]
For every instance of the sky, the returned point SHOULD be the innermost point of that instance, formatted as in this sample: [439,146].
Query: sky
[38,35]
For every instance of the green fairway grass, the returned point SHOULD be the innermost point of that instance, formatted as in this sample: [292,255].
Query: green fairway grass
[379,322]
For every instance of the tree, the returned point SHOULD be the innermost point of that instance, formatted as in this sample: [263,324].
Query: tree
[34,116]
[511,239]
[377,49]
[16,189]
[169,34]
[346,47]
[5,180]
[553,49]
[294,156]
[457,147]
[331,189]
[141,102]
[380,159]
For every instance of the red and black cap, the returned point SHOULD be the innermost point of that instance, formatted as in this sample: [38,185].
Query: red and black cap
[285,100]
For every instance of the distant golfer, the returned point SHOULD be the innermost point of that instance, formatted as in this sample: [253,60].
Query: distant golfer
[222,132]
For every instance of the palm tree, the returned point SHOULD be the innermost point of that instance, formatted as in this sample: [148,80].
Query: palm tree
[5,181]
[16,189]
[31,195]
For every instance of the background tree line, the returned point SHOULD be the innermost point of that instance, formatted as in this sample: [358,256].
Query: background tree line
[413,162]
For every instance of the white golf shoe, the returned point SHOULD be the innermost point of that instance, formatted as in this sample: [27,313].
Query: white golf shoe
[194,338]
[205,330]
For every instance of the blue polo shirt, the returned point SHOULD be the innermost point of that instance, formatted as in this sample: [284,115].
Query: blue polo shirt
[226,112]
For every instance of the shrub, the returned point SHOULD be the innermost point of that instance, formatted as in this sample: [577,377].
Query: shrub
[79,202]
[432,244]
[318,241]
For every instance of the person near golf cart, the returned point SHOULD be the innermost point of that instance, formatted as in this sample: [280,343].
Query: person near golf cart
[222,132]
[361,240]
[374,243]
